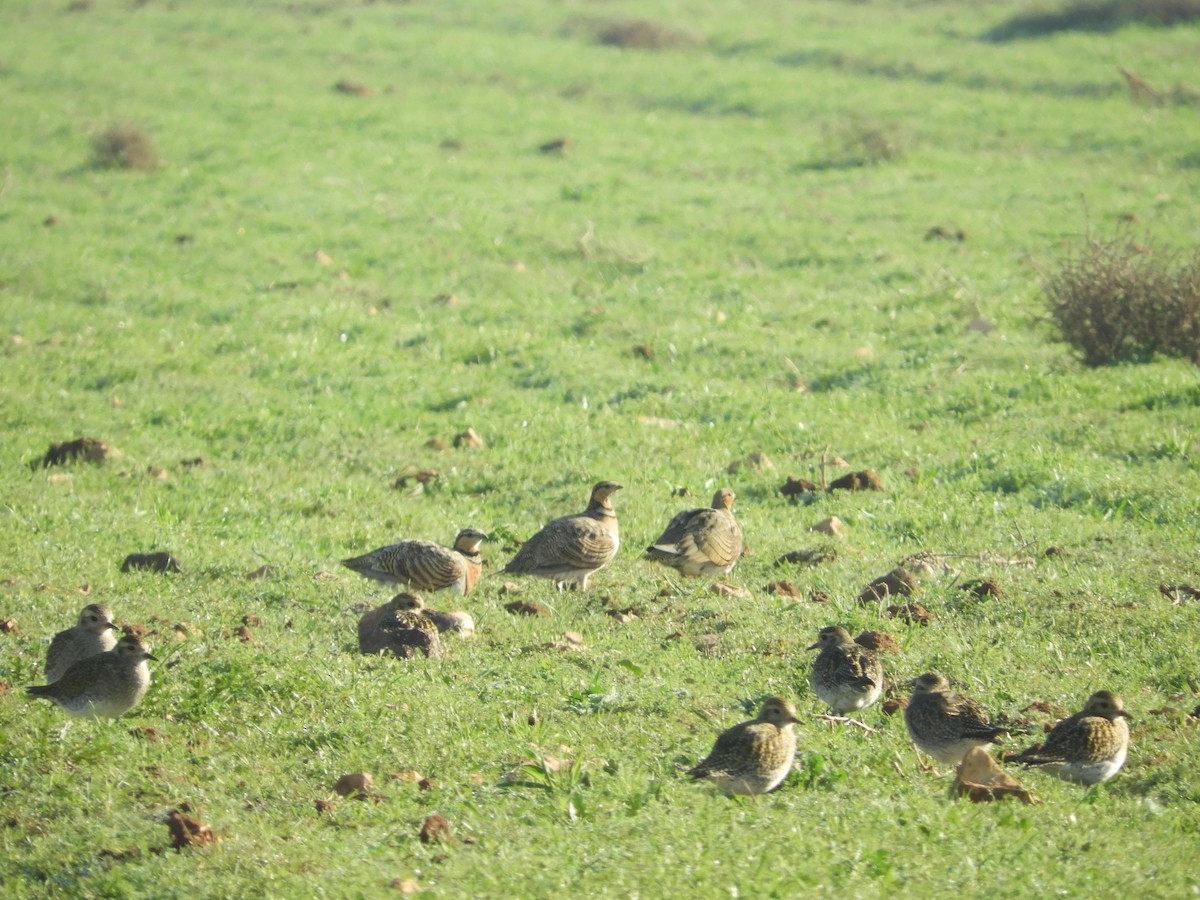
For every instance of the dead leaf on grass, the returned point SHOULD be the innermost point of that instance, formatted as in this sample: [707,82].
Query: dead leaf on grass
[9,626]
[356,785]
[798,487]
[909,612]
[84,449]
[436,830]
[833,526]
[187,832]
[526,608]
[153,562]
[878,641]
[783,588]
[866,480]
[730,590]
[980,778]
[897,583]
[469,439]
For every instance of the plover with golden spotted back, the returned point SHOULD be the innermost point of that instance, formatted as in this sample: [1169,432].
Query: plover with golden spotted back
[425,565]
[701,541]
[460,622]
[946,724]
[573,548]
[108,684]
[1088,747]
[846,675]
[92,634]
[399,628]
[755,756]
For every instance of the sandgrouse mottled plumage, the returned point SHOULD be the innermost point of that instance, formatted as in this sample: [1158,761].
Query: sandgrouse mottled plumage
[107,684]
[425,565]
[573,548]
[92,634]
[846,675]
[753,757]
[946,724]
[705,541]
[1088,747]
[459,621]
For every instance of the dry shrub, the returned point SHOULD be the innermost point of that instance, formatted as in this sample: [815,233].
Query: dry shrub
[640,34]
[124,146]
[1097,16]
[1116,301]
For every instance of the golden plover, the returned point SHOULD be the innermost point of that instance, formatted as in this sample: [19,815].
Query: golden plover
[460,622]
[701,541]
[397,627]
[846,675]
[946,724]
[424,565]
[92,634]
[572,548]
[1088,747]
[107,684]
[753,757]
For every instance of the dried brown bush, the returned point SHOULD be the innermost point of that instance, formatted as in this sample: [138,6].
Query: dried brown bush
[1117,301]
[124,146]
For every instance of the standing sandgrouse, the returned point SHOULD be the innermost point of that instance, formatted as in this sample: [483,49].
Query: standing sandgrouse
[846,675]
[753,757]
[701,541]
[91,635]
[572,548]
[945,724]
[424,565]
[107,684]
[1088,747]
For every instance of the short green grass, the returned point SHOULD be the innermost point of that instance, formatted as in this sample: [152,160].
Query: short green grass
[272,297]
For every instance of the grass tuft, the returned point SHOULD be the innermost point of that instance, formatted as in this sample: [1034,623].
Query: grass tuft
[641,34]
[1118,301]
[124,146]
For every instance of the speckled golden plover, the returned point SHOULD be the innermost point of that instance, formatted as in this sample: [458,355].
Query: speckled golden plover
[1088,747]
[701,541]
[425,565]
[92,634]
[753,757]
[946,724]
[845,675]
[573,548]
[107,684]
[398,628]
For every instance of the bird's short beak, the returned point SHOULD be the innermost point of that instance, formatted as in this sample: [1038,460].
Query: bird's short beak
[792,720]
[813,646]
[112,626]
[152,656]
[1125,714]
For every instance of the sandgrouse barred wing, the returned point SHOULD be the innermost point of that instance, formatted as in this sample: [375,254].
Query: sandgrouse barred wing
[755,756]
[845,675]
[701,541]
[425,565]
[572,548]
[107,684]
[946,724]
[1088,747]
[92,634]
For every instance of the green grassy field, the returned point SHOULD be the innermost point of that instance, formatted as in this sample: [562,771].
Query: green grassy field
[826,226]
